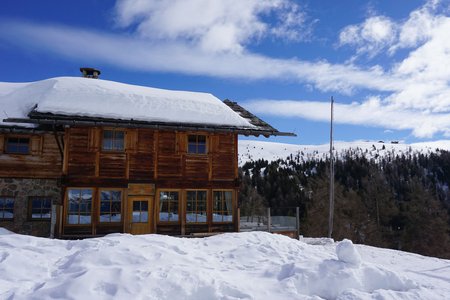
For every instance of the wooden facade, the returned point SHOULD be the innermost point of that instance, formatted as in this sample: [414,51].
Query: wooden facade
[151,162]
[42,160]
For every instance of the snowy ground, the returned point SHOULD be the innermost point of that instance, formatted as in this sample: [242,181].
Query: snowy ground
[253,265]
[250,150]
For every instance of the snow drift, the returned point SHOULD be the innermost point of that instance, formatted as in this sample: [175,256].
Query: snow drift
[253,265]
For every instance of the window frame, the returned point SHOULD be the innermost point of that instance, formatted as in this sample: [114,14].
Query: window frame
[67,207]
[6,141]
[159,221]
[145,200]
[30,208]
[213,205]
[3,208]
[99,211]
[196,135]
[186,206]
[114,131]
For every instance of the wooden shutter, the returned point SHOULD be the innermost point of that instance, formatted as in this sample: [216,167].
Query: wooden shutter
[35,144]
[131,140]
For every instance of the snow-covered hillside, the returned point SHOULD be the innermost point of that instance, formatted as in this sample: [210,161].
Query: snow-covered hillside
[253,265]
[253,150]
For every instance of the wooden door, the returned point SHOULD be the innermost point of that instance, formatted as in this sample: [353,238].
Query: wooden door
[140,214]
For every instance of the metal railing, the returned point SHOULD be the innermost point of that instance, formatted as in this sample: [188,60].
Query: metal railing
[285,220]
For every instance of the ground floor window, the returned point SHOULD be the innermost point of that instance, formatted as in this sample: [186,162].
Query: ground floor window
[110,206]
[168,206]
[140,211]
[222,206]
[6,208]
[196,207]
[40,208]
[79,209]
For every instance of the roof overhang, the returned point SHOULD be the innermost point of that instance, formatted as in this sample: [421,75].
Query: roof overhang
[64,120]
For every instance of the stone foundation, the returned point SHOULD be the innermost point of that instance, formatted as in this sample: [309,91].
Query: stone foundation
[21,189]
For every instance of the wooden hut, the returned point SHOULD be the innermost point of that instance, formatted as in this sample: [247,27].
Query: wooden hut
[108,157]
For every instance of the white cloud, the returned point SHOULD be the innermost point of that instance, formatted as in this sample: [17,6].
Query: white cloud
[370,37]
[140,54]
[371,112]
[226,25]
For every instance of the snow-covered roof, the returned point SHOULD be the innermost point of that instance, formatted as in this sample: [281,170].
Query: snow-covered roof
[95,98]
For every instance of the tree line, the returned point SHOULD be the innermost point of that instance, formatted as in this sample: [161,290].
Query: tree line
[394,201]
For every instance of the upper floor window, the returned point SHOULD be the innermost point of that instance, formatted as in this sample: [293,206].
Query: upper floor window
[113,140]
[6,208]
[40,208]
[110,206]
[79,206]
[17,145]
[168,206]
[197,144]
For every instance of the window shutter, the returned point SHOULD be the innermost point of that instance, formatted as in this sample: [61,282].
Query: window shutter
[95,138]
[35,145]
[131,143]
[2,143]
[181,142]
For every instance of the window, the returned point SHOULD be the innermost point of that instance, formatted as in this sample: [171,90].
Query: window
[40,208]
[6,208]
[197,144]
[110,206]
[140,211]
[222,206]
[17,145]
[80,206]
[168,206]
[196,207]
[113,140]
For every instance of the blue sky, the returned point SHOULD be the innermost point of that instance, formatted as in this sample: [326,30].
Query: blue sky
[386,63]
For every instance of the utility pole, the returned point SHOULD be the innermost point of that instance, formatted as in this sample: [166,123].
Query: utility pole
[331,212]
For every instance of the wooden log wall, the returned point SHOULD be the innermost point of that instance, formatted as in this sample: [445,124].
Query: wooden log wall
[149,156]
[43,161]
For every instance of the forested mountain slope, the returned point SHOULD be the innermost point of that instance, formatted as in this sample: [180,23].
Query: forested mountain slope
[387,195]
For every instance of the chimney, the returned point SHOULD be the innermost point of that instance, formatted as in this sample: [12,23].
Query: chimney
[90,72]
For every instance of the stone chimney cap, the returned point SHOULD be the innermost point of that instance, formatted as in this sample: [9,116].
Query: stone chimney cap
[90,72]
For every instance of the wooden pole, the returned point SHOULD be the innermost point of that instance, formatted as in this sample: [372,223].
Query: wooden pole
[331,212]
[297,215]
[268,219]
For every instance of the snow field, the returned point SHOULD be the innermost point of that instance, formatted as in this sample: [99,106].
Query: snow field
[254,265]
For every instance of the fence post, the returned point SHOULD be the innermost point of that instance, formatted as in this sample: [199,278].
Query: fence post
[268,219]
[297,221]
[238,221]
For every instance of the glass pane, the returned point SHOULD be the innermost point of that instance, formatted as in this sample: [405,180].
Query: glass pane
[201,149]
[136,218]
[144,206]
[192,139]
[105,195]
[201,139]
[144,216]
[116,196]
[119,140]
[105,207]
[192,148]
[107,140]
[115,207]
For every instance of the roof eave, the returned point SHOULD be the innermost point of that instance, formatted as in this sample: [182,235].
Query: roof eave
[60,120]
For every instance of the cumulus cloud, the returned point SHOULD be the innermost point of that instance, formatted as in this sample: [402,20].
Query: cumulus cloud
[214,26]
[370,37]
